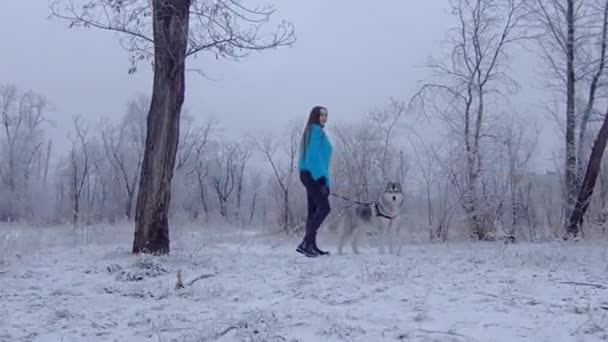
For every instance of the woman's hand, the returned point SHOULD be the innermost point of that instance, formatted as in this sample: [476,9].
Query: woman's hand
[322,181]
[324,188]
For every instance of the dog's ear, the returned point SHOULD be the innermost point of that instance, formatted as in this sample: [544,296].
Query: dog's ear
[393,187]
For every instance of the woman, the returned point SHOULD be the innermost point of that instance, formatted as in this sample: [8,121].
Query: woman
[315,158]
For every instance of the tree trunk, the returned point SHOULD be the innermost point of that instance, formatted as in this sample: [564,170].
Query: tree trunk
[170,26]
[204,201]
[75,209]
[239,192]
[129,204]
[255,195]
[46,162]
[203,196]
[515,210]
[200,176]
[223,207]
[75,194]
[286,210]
[429,205]
[593,168]
[570,172]
[593,87]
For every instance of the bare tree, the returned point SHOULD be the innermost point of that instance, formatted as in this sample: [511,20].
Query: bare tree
[201,137]
[113,141]
[229,162]
[572,41]
[32,110]
[27,172]
[202,171]
[445,156]
[386,122]
[517,144]
[597,71]
[283,166]
[94,179]
[358,156]
[601,214]
[22,116]
[240,176]
[124,145]
[584,196]
[11,122]
[224,178]
[570,167]
[79,164]
[366,156]
[425,161]
[168,31]
[135,122]
[256,184]
[187,143]
[102,178]
[466,81]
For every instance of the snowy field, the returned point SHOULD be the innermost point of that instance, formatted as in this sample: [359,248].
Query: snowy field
[61,285]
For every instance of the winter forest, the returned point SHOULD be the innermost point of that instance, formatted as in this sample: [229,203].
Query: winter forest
[474,178]
[484,235]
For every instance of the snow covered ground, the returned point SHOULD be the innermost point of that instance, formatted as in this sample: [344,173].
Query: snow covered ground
[61,285]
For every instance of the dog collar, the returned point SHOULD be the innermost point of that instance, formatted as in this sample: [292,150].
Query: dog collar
[381,214]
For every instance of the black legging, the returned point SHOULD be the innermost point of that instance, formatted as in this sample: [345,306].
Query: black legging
[318,205]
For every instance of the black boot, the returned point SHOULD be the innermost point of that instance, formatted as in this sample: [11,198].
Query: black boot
[306,249]
[318,250]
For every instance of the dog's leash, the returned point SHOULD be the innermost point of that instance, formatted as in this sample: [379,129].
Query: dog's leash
[367,204]
[351,200]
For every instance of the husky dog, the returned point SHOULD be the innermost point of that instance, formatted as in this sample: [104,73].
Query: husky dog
[379,215]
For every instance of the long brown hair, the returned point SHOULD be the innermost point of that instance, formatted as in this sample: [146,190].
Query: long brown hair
[313,118]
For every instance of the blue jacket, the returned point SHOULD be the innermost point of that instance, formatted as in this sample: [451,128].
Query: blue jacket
[318,155]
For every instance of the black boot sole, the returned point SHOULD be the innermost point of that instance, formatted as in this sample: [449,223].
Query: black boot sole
[320,252]
[306,253]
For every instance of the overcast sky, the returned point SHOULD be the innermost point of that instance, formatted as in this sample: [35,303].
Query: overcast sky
[351,56]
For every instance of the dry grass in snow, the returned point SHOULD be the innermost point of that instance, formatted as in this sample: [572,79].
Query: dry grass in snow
[61,285]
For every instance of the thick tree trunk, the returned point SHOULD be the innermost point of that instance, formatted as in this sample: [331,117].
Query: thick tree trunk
[570,172]
[170,27]
[593,169]
[593,87]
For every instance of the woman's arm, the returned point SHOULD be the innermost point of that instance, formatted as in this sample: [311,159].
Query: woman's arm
[314,158]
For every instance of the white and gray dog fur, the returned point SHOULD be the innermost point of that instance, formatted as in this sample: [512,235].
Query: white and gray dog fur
[381,215]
